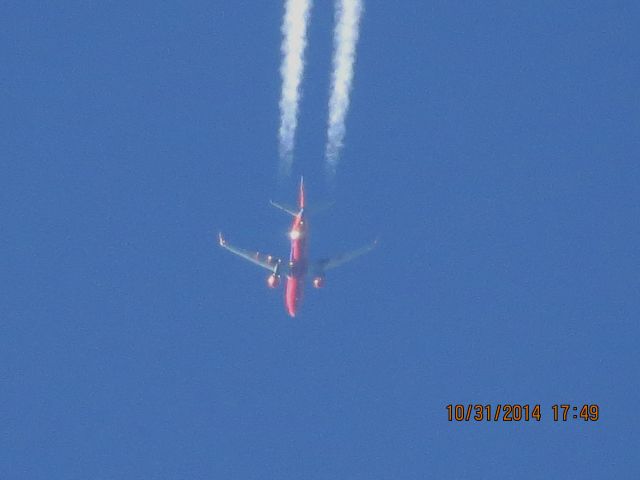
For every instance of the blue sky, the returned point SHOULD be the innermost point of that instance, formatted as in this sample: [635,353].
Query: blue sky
[493,148]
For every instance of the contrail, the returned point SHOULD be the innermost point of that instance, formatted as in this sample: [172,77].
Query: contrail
[345,38]
[294,41]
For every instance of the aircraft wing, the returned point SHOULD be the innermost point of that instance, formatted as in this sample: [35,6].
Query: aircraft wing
[325,264]
[265,261]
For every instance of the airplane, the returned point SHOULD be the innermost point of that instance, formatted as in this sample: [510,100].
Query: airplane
[298,265]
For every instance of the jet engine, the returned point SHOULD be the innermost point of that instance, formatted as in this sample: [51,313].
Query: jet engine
[273,280]
[318,282]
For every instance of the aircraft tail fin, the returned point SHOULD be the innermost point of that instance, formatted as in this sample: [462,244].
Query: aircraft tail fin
[301,196]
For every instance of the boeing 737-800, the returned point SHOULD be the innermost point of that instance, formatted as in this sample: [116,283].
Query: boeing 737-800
[298,266]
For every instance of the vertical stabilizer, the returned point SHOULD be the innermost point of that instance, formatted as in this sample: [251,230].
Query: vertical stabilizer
[301,197]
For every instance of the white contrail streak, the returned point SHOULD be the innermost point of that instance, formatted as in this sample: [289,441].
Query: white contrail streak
[345,38]
[294,41]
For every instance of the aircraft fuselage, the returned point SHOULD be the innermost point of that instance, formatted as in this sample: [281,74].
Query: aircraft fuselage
[298,263]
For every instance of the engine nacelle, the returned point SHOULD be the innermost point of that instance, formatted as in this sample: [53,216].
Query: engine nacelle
[273,280]
[318,282]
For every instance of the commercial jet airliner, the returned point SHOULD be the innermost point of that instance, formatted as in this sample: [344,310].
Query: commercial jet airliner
[298,265]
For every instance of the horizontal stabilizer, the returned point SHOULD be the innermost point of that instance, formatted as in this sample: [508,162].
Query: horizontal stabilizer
[285,208]
[319,207]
